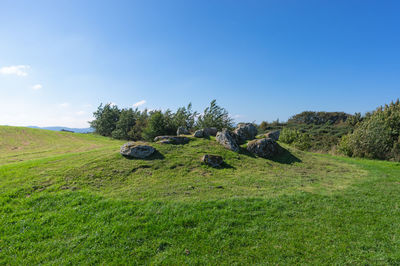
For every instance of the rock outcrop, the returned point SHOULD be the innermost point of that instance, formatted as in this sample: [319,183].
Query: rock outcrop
[199,133]
[210,131]
[273,135]
[136,150]
[171,139]
[228,140]
[245,131]
[212,160]
[182,131]
[266,148]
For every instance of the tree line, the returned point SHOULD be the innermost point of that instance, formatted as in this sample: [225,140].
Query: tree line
[134,124]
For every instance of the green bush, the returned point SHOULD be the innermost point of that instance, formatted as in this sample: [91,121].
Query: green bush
[377,136]
[300,140]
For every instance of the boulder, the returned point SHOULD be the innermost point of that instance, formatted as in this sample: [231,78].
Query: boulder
[273,135]
[228,140]
[199,133]
[171,139]
[266,148]
[245,131]
[210,131]
[182,131]
[136,150]
[212,160]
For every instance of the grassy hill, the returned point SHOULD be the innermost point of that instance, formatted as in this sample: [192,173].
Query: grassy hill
[72,198]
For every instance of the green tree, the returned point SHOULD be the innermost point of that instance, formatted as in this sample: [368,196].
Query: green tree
[106,118]
[156,126]
[215,116]
[127,120]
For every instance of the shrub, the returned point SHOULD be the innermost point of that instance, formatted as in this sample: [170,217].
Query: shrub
[377,136]
[300,140]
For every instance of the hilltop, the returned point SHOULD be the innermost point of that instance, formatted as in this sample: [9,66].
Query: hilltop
[72,198]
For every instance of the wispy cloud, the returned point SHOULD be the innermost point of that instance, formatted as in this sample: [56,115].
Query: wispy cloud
[20,70]
[140,103]
[37,87]
[64,105]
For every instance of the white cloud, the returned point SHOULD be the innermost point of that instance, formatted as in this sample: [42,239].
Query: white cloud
[112,104]
[37,87]
[139,103]
[64,105]
[238,116]
[20,70]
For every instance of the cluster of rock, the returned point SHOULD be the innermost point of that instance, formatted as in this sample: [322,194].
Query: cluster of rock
[266,147]
[205,132]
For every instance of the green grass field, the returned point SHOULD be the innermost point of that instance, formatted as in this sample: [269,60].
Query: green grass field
[73,199]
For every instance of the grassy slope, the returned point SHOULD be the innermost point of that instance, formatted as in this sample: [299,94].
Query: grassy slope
[94,206]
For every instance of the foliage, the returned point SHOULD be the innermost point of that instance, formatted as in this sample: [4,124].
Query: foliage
[106,118]
[319,118]
[127,120]
[129,124]
[156,126]
[377,136]
[300,140]
[185,117]
[215,116]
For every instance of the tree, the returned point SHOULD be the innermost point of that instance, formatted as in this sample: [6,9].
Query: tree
[127,120]
[156,126]
[106,119]
[215,116]
[185,117]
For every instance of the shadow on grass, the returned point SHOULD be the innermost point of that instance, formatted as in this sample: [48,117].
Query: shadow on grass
[284,156]
[155,156]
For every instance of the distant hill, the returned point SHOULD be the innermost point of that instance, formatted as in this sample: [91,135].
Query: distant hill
[76,130]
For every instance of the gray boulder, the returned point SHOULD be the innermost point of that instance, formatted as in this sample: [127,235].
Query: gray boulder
[182,131]
[210,131]
[266,148]
[273,135]
[171,139]
[136,150]
[212,160]
[245,131]
[199,133]
[227,139]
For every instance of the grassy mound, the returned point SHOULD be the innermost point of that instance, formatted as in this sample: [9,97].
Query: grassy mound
[80,201]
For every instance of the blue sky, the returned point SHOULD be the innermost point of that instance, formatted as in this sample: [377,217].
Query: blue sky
[261,60]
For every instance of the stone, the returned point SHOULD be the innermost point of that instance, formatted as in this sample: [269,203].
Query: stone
[171,139]
[212,160]
[273,135]
[199,133]
[227,139]
[210,131]
[245,131]
[182,131]
[266,148]
[136,150]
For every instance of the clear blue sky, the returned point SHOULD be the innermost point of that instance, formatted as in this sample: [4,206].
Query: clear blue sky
[261,60]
